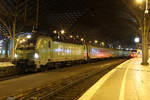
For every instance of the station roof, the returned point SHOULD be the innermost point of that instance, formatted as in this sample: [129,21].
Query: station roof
[110,21]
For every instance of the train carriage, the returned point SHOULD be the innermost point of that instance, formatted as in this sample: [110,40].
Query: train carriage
[97,52]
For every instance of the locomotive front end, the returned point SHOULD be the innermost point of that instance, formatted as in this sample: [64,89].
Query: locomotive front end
[25,54]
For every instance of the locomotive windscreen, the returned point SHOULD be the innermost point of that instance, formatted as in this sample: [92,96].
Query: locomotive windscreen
[26,43]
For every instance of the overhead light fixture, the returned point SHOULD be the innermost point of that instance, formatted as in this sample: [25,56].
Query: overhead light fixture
[137,40]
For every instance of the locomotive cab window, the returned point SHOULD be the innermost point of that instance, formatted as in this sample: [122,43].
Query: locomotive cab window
[25,44]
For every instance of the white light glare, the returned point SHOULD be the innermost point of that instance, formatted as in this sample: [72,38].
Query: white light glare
[146,11]
[139,1]
[62,31]
[16,55]
[28,36]
[137,40]
[36,55]
[23,40]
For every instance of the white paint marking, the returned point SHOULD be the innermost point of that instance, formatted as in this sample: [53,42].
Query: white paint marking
[121,97]
[90,92]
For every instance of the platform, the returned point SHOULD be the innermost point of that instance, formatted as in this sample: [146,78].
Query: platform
[6,64]
[128,81]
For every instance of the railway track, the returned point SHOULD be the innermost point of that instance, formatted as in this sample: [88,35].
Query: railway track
[71,88]
[9,72]
[9,77]
[75,89]
[12,72]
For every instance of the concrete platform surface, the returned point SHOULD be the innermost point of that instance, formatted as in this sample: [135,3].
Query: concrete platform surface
[128,81]
[6,64]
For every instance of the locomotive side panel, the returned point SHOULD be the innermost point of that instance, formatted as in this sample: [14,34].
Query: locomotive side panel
[43,48]
[67,52]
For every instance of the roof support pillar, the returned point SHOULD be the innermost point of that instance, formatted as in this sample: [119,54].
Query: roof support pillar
[145,41]
[13,39]
[37,14]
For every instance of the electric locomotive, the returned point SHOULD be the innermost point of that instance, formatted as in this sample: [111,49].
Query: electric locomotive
[41,50]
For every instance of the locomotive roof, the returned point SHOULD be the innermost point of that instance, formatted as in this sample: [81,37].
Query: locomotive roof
[35,36]
[52,36]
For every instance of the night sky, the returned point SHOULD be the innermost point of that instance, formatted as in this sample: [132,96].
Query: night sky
[110,21]
[104,20]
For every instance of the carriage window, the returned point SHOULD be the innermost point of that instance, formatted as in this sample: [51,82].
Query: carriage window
[49,44]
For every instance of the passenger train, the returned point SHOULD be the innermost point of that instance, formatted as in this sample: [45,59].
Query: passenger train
[40,50]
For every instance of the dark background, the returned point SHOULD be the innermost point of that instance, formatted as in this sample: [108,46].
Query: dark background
[104,20]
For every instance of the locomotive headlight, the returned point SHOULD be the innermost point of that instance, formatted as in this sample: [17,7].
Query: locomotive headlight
[28,36]
[15,55]
[36,55]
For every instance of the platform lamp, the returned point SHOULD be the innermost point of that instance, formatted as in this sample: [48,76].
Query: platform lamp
[137,41]
[59,33]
